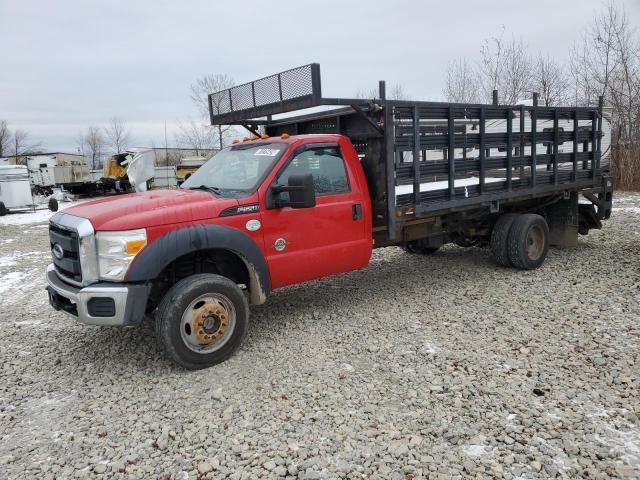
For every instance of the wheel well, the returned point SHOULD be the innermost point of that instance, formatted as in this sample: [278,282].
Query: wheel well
[217,261]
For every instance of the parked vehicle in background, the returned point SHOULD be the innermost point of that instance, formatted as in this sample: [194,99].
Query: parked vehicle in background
[131,169]
[115,174]
[314,194]
[164,177]
[59,170]
[15,190]
[187,166]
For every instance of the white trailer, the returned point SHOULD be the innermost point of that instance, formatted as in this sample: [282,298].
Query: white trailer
[165,177]
[15,189]
[59,170]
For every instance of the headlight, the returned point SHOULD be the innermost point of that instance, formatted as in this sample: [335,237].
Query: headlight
[116,251]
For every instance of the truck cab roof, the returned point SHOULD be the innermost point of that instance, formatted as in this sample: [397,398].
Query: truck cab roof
[291,139]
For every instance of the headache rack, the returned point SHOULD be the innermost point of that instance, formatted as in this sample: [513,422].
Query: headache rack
[468,155]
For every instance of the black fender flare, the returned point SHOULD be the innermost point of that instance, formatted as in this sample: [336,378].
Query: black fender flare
[155,257]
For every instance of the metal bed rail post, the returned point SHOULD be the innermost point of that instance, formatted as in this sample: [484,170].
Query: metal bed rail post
[389,153]
[534,144]
[452,154]
[509,150]
[416,157]
[482,150]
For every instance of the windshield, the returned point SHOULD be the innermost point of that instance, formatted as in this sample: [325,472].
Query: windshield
[237,169]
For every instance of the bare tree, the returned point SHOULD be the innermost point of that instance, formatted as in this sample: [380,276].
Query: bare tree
[607,63]
[397,92]
[461,83]
[595,61]
[196,136]
[516,73]
[491,64]
[94,141]
[505,66]
[5,138]
[550,81]
[626,84]
[22,144]
[200,91]
[117,135]
[584,83]
[364,94]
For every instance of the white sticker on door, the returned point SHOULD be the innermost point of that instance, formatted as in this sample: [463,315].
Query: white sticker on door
[253,225]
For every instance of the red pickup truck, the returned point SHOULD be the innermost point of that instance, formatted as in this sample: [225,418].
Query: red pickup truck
[311,195]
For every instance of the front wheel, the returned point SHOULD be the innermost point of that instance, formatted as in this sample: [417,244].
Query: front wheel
[201,321]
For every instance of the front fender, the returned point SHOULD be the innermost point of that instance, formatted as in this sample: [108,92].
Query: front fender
[155,257]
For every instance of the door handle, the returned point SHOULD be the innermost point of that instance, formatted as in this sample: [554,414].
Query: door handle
[356,211]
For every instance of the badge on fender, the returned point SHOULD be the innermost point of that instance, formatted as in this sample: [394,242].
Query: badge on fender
[253,225]
[280,244]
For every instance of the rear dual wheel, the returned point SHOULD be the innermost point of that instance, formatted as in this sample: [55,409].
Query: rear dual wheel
[521,241]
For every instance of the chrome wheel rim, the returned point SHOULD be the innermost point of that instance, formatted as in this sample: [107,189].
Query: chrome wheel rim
[208,323]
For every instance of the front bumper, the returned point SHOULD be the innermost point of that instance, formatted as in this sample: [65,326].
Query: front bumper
[105,303]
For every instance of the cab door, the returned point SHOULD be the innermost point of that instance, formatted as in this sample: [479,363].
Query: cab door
[307,243]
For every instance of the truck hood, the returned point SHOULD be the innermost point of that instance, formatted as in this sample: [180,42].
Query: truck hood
[151,209]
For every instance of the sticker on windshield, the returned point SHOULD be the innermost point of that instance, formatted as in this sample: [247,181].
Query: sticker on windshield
[267,152]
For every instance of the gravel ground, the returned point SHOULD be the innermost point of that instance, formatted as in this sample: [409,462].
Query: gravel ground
[416,367]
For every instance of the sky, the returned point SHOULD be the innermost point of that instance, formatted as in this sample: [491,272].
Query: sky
[68,64]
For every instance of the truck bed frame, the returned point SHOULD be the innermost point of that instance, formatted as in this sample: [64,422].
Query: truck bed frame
[519,148]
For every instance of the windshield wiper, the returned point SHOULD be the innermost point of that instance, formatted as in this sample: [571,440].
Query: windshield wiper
[206,189]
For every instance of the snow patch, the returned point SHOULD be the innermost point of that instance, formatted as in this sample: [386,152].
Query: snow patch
[428,348]
[57,436]
[11,259]
[7,261]
[510,420]
[10,280]
[625,443]
[477,450]
[36,216]
[627,209]
[28,323]
[347,367]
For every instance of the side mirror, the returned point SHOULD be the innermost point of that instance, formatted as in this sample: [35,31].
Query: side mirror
[301,191]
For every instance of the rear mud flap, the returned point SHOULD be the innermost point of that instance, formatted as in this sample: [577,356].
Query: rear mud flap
[563,221]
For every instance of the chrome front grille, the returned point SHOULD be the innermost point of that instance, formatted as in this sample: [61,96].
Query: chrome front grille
[65,251]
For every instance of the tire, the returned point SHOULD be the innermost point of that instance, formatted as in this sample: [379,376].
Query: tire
[3,209]
[500,239]
[196,294]
[418,247]
[53,204]
[528,241]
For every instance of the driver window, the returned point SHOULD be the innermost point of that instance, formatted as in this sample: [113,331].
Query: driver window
[326,166]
